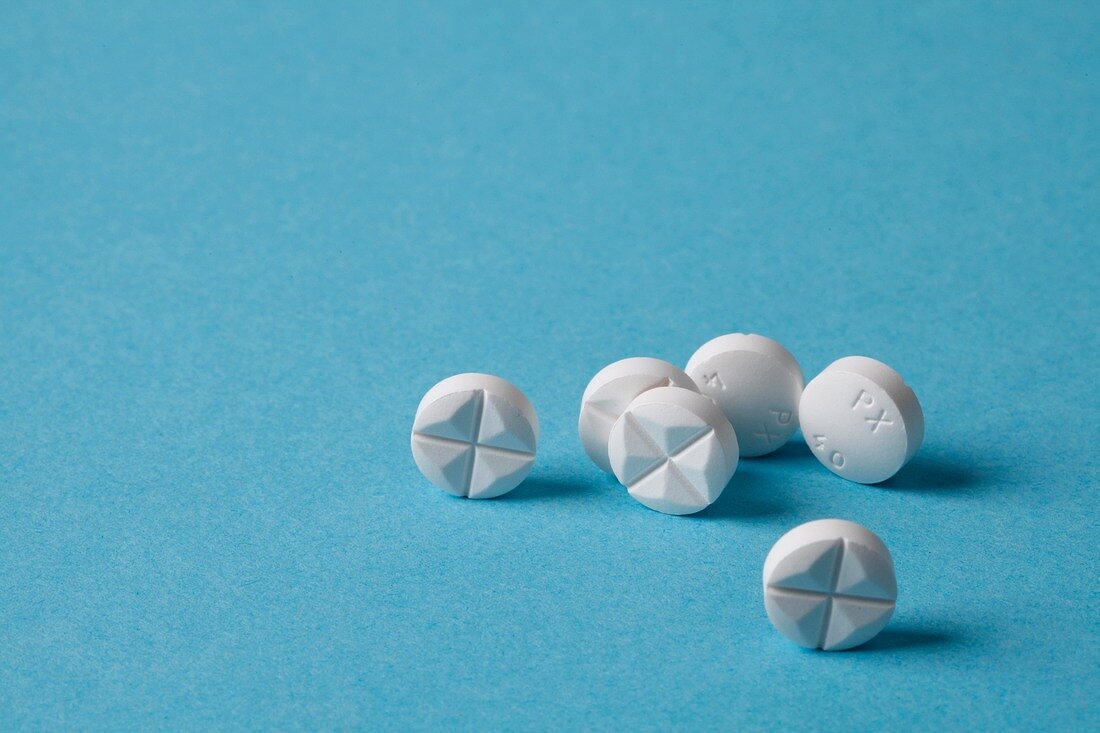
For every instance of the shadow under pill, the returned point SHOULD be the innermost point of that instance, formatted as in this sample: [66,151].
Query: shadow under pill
[539,487]
[931,470]
[940,474]
[749,495]
[907,636]
[794,451]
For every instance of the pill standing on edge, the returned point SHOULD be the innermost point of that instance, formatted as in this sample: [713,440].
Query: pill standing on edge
[674,450]
[475,435]
[861,420]
[612,389]
[829,584]
[756,382]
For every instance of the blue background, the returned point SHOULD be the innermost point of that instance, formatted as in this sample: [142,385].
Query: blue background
[239,243]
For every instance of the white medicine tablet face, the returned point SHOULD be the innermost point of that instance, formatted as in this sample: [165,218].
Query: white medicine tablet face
[829,585]
[756,382]
[612,389]
[475,435]
[861,420]
[674,450]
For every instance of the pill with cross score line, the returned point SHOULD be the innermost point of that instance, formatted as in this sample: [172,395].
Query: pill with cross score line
[674,450]
[612,389]
[474,436]
[829,584]
[861,420]
[756,382]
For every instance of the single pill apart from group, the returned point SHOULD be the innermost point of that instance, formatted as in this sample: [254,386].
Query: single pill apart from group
[674,450]
[861,419]
[612,389]
[756,382]
[475,436]
[829,584]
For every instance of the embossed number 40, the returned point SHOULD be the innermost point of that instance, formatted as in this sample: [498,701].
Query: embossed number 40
[835,457]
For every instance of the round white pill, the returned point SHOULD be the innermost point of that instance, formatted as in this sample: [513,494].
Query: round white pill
[829,585]
[756,382]
[673,449]
[861,420]
[475,435]
[612,389]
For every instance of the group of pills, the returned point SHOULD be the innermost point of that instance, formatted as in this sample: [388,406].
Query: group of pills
[673,438]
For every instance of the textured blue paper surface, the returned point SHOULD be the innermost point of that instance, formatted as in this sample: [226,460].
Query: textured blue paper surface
[239,243]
